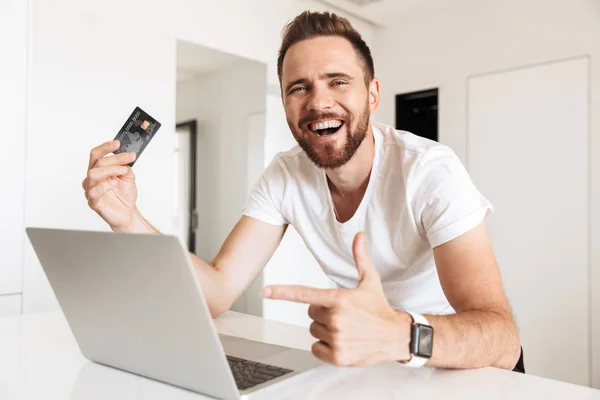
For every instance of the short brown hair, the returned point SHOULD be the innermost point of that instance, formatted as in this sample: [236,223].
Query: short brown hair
[314,24]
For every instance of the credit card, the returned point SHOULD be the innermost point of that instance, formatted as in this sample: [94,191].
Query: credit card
[136,133]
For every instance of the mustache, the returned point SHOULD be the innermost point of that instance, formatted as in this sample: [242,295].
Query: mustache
[315,115]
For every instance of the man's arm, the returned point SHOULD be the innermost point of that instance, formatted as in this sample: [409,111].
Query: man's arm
[243,255]
[482,332]
[359,327]
[111,191]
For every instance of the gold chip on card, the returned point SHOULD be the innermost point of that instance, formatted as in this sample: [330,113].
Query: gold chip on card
[145,125]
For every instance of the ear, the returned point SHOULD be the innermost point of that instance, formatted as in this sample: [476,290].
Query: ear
[374,95]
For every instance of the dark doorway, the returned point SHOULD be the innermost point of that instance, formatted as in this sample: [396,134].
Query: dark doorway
[190,128]
[417,112]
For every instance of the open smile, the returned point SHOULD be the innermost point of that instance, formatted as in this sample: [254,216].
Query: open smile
[326,127]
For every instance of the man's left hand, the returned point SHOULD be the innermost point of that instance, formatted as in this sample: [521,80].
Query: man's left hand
[354,326]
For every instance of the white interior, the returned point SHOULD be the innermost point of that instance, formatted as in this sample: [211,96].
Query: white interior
[229,105]
[222,104]
[445,50]
[72,71]
[540,229]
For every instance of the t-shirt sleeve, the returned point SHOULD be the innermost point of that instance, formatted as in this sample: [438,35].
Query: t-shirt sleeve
[264,201]
[445,201]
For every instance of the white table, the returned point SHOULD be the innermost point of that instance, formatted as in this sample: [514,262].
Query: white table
[39,359]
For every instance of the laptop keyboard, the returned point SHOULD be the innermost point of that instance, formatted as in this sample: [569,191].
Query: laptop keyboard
[251,373]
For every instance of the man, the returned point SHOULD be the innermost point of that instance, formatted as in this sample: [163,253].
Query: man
[393,219]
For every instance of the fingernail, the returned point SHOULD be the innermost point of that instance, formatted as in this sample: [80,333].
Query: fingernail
[115,143]
[266,292]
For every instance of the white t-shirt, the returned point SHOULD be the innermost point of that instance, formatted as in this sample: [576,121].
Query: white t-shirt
[419,196]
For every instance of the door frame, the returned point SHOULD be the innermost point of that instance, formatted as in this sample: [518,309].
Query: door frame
[192,125]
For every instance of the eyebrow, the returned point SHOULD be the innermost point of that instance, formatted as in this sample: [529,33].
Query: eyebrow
[328,75]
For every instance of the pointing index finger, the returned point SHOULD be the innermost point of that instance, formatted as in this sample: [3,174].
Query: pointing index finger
[301,294]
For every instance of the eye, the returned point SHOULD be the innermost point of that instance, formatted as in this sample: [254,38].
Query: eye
[297,88]
[339,83]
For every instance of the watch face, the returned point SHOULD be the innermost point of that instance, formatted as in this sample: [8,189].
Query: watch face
[424,340]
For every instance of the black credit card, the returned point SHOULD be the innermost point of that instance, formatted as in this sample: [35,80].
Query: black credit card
[136,133]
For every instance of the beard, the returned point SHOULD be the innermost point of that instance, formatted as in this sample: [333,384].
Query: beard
[326,155]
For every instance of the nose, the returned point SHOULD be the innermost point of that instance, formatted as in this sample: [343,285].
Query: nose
[319,99]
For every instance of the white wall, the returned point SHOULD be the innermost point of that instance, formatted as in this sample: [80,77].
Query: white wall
[90,63]
[249,29]
[81,88]
[13,85]
[223,104]
[484,36]
[540,227]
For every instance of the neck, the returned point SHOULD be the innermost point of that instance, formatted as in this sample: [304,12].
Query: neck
[353,176]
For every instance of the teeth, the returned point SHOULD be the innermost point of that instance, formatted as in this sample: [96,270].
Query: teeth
[325,125]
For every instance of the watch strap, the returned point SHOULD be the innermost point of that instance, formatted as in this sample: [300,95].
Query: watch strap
[416,361]
[418,318]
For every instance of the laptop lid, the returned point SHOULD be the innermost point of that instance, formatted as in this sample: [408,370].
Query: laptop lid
[133,302]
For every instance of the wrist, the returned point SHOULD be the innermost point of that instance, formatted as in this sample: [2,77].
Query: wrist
[400,337]
[138,224]
[421,341]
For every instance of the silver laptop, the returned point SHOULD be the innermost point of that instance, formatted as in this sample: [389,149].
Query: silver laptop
[132,302]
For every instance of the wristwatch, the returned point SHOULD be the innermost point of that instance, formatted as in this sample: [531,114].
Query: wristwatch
[421,341]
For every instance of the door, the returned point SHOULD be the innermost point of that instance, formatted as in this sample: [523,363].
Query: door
[527,149]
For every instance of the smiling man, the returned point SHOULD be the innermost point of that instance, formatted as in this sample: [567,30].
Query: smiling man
[392,218]
[423,218]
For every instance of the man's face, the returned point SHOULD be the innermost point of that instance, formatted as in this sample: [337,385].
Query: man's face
[326,101]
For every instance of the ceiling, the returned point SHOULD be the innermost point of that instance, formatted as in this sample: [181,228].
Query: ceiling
[387,13]
[195,60]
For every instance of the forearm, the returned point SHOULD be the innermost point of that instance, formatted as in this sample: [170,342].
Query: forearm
[213,286]
[474,339]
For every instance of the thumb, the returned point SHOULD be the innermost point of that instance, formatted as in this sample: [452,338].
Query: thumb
[367,273]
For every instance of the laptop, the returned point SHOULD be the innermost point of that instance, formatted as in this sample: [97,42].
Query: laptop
[133,303]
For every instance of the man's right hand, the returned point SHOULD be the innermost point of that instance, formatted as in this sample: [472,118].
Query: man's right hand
[243,255]
[110,186]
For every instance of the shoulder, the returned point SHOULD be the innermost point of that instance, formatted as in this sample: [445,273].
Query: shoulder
[412,145]
[292,164]
[414,154]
